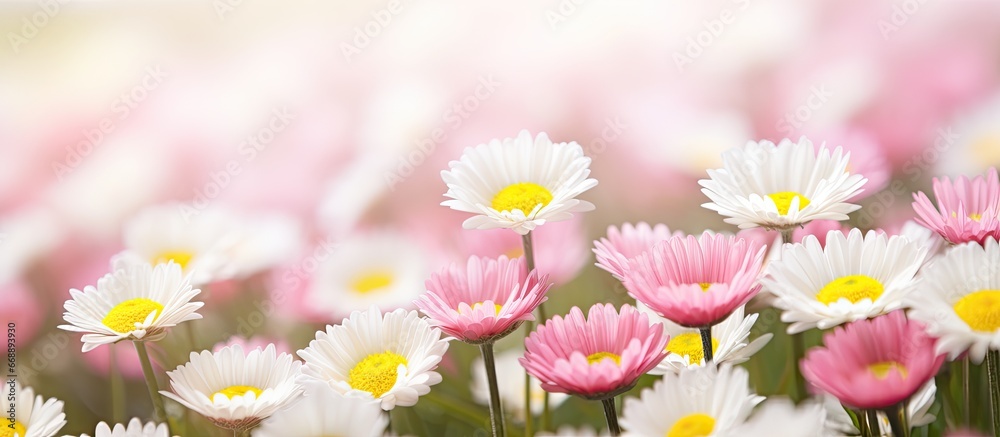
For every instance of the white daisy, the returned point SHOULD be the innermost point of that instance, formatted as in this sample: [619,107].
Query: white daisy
[730,342]
[510,380]
[924,237]
[917,411]
[519,183]
[959,300]
[385,269]
[135,429]
[236,390]
[34,416]
[324,412]
[778,417]
[706,401]
[853,277]
[388,357]
[211,244]
[782,186]
[136,303]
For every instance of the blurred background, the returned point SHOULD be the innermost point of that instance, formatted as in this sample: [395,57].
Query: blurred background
[333,121]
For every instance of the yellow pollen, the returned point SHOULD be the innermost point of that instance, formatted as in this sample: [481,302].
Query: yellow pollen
[480,304]
[692,425]
[514,252]
[371,281]
[853,288]
[783,200]
[238,390]
[974,216]
[689,344]
[377,373]
[980,310]
[600,356]
[124,316]
[704,285]
[18,430]
[524,196]
[882,369]
[180,257]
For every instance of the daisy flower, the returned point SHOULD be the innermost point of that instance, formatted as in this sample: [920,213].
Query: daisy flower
[388,357]
[730,341]
[135,428]
[484,301]
[704,401]
[696,282]
[382,268]
[518,183]
[137,303]
[873,364]
[35,416]
[324,412]
[510,378]
[597,357]
[967,210]
[854,277]
[210,245]
[236,390]
[806,420]
[621,246]
[782,186]
[959,300]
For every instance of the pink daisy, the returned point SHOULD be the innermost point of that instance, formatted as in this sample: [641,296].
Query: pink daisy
[622,246]
[696,282]
[597,357]
[485,301]
[873,364]
[967,210]
[560,247]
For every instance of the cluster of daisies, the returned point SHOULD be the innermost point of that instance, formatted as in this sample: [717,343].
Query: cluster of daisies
[895,308]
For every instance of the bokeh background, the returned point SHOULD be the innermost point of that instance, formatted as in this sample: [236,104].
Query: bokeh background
[338,117]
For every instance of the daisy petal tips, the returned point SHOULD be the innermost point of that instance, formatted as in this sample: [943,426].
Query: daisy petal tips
[519,183]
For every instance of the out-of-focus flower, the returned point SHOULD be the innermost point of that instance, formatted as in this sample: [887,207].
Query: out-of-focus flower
[696,282]
[390,357]
[209,245]
[484,301]
[782,186]
[249,344]
[560,248]
[236,390]
[137,303]
[977,146]
[35,416]
[135,428]
[700,401]
[873,364]
[510,379]
[381,268]
[730,342]
[806,420]
[958,299]
[597,357]
[967,210]
[324,412]
[519,183]
[620,247]
[854,277]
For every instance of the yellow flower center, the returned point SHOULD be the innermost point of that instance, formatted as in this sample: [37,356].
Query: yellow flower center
[783,200]
[377,373]
[124,316]
[372,281]
[18,430]
[600,356]
[882,369]
[704,285]
[689,344]
[480,304]
[524,196]
[987,147]
[180,257]
[515,252]
[853,288]
[980,310]
[975,216]
[692,425]
[238,390]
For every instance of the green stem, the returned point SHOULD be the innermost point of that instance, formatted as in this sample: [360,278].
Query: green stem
[528,247]
[863,423]
[898,420]
[993,367]
[966,407]
[798,351]
[611,416]
[706,343]
[496,408]
[117,386]
[873,425]
[154,389]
